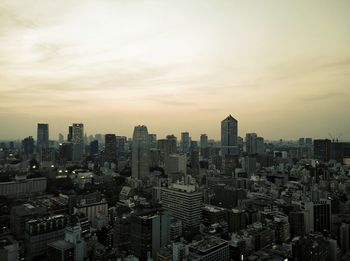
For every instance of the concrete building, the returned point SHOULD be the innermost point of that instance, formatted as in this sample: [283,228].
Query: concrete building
[149,233]
[183,202]
[140,152]
[9,249]
[42,140]
[23,186]
[78,141]
[229,133]
[185,142]
[110,154]
[42,231]
[210,249]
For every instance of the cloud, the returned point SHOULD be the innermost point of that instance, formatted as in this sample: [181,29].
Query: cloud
[325,96]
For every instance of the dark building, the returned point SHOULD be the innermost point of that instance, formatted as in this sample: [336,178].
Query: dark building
[70,134]
[65,151]
[212,214]
[297,223]
[94,149]
[42,231]
[237,220]
[110,148]
[313,247]
[322,149]
[42,136]
[28,146]
[60,250]
[121,239]
[149,233]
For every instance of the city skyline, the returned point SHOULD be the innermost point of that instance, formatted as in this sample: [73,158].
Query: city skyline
[281,68]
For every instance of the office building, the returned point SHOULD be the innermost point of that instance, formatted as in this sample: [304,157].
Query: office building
[110,148]
[210,249]
[183,202]
[185,142]
[149,233]
[229,133]
[42,231]
[42,140]
[140,152]
[251,143]
[78,141]
[28,146]
[322,150]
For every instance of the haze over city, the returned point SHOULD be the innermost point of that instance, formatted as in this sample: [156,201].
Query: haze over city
[281,67]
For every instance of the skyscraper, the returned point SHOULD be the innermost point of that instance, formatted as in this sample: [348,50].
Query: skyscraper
[42,136]
[185,142]
[229,130]
[140,152]
[28,146]
[78,141]
[251,143]
[110,148]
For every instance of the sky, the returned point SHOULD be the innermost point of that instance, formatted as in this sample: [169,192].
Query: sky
[281,68]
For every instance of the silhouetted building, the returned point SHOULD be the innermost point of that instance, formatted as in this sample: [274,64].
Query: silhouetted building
[229,133]
[110,148]
[42,140]
[322,149]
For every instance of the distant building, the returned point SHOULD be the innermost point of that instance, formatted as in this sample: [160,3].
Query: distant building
[42,140]
[229,133]
[78,141]
[110,148]
[322,149]
[28,146]
[251,143]
[185,142]
[140,152]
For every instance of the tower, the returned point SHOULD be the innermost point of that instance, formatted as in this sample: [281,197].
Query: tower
[229,130]
[78,141]
[42,136]
[140,152]
[110,148]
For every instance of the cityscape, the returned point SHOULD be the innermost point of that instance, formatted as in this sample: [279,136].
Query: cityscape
[110,197]
[187,130]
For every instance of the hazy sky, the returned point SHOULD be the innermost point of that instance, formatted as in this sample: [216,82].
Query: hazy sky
[281,68]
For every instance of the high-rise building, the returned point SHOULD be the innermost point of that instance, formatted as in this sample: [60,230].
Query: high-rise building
[94,147]
[42,136]
[171,144]
[78,141]
[260,145]
[322,149]
[60,138]
[149,232]
[204,146]
[110,148]
[204,141]
[140,152]
[229,132]
[70,134]
[251,143]
[42,231]
[185,142]
[28,146]
[184,203]
[318,216]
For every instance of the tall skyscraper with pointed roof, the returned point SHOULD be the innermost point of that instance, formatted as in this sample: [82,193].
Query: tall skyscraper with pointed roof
[229,133]
[140,152]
